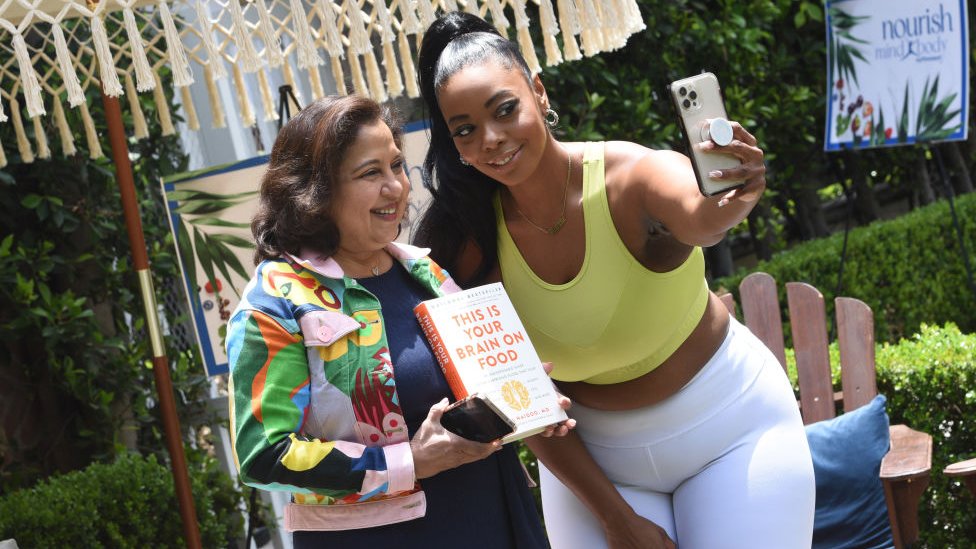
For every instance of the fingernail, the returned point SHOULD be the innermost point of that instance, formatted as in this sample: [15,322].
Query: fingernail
[723,202]
[715,174]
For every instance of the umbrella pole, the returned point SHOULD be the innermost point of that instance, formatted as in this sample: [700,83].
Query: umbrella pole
[140,259]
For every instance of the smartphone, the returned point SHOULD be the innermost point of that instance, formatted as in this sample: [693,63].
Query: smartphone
[697,100]
[476,418]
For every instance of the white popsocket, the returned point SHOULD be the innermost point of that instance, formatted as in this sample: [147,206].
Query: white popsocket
[719,131]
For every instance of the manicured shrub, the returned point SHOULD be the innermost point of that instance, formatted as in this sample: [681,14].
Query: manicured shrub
[128,503]
[930,382]
[909,270]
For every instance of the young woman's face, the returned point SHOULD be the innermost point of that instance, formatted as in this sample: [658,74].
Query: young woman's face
[371,191]
[495,118]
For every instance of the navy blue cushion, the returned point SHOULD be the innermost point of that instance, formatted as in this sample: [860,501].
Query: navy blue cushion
[847,452]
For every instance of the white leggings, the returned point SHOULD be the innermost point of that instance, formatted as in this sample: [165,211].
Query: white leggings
[724,463]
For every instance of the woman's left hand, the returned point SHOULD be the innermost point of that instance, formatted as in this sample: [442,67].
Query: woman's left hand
[562,428]
[752,170]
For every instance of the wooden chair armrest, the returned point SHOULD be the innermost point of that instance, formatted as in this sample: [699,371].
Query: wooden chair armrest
[910,455]
[905,476]
[965,471]
[961,468]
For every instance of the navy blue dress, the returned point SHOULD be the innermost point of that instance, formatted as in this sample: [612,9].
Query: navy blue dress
[486,504]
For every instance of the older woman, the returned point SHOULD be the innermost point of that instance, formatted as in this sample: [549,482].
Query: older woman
[336,395]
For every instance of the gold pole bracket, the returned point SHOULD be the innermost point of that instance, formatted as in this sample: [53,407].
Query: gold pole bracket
[152,313]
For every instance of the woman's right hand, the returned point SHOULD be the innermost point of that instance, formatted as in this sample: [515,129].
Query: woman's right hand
[436,449]
[632,531]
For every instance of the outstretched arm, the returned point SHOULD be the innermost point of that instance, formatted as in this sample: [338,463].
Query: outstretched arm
[671,195]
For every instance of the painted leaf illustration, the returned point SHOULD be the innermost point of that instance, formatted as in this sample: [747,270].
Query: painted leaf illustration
[203,253]
[227,256]
[843,47]
[934,115]
[903,119]
[217,255]
[218,222]
[878,137]
[234,240]
[186,252]
[194,196]
[200,209]
[203,207]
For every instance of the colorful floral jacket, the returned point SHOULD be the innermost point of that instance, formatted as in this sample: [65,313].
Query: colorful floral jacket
[313,402]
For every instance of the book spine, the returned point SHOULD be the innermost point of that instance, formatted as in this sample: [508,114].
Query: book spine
[440,352]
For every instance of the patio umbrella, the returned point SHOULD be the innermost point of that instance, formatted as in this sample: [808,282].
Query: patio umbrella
[52,51]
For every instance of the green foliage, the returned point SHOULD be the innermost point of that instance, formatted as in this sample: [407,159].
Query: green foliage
[73,346]
[929,380]
[909,270]
[128,503]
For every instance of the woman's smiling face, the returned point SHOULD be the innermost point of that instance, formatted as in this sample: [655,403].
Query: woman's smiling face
[495,119]
[371,192]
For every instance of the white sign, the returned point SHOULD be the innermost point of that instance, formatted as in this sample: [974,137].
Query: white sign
[210,215]
[897,71]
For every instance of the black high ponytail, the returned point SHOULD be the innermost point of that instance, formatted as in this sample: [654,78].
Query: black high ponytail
[461,211]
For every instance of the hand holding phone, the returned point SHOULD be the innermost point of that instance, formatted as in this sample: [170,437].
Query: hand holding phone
[476,418]
[697,101]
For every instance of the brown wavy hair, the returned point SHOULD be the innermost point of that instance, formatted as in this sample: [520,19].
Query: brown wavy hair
[296,199]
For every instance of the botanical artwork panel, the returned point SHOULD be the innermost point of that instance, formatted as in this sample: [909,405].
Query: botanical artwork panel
[898,72]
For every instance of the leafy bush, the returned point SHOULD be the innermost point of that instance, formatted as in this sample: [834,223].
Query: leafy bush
[930,382]
[74,386]
[129,503]
[909,270]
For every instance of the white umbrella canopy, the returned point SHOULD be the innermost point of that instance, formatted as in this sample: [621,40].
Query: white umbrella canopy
[52,51]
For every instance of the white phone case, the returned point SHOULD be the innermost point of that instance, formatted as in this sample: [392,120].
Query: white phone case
[698,99]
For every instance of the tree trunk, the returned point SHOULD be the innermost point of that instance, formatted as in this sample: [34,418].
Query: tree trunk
[866,205]
[719,259]
[923,184]
[964,182]
[810,213]
[760,231]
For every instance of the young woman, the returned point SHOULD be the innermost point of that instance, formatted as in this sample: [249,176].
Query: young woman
[687,430]
[336,396]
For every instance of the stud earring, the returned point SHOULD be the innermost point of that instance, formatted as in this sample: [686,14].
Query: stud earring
[463,161]
[552,118]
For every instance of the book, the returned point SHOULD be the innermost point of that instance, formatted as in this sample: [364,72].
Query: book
[482,347]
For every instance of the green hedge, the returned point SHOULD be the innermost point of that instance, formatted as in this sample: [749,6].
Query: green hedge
[909,270]
[930,382]
[128,503]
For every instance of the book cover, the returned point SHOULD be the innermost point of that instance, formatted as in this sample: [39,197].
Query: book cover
[482,347]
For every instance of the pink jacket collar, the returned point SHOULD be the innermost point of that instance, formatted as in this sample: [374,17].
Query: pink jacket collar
[327,266]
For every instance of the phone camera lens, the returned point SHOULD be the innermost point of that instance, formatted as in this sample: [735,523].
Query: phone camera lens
[693,95]
[682,91]
[686,103]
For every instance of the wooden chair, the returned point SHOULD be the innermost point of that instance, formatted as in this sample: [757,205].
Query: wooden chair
[905,469]
[965,470]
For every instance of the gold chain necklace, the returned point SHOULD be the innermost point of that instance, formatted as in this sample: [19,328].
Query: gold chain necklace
[555,227]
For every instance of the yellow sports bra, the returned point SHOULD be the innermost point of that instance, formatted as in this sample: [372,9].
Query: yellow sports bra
[614,321]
